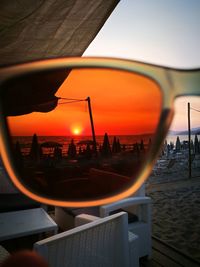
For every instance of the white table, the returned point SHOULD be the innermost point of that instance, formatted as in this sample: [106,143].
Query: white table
[25,222]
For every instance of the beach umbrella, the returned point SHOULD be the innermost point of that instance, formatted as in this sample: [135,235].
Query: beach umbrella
[196,145]
[178,144]
[34,151]
[51,144]
[106,150]
[118,146]
[72,149]
[114,145]
[142,145]
[32,30]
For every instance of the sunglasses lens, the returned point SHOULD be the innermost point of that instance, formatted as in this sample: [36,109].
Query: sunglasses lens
[81,134]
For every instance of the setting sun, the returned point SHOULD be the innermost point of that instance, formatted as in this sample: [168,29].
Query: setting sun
[76,130]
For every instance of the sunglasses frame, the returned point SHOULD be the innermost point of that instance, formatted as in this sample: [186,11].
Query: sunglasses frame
[172,83]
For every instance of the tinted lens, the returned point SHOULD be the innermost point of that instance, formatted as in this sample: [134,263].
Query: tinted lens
[81,134]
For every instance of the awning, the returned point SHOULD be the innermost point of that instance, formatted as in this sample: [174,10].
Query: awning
[38,29]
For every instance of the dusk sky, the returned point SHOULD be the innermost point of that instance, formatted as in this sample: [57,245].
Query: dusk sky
[157,31]
[122,104]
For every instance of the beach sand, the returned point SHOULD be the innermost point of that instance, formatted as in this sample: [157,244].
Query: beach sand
[176,210]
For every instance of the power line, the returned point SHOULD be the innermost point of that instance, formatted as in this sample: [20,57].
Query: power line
[64,98]
[195,109]
[68,102]
[71,100]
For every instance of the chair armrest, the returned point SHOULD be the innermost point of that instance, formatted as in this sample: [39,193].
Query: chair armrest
[124,203]
[3,254]
[84,218]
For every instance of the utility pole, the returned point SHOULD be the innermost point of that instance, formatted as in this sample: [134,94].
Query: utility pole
[92,124]
[189,145]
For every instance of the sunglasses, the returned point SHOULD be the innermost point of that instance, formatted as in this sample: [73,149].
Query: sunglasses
[86,131]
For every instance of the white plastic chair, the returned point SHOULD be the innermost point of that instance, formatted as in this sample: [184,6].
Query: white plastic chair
[64,217]
[104,242]
[141,207]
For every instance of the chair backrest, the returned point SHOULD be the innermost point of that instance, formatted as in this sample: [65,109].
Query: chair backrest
[103,242]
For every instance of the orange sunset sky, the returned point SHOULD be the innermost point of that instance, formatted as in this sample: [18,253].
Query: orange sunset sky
[122,104]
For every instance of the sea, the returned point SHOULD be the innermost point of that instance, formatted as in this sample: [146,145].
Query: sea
[124,139]
[25,141]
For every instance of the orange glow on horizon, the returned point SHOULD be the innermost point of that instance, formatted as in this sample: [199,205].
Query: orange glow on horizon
[122,104]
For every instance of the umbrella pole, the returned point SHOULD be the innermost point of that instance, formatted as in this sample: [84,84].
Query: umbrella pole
[92,124]
[189,144]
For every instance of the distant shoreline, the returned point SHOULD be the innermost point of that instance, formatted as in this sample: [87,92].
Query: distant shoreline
[185,132]
[172,137]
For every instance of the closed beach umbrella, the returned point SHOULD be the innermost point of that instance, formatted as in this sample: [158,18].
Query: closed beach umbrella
[196,145]
[34,151]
